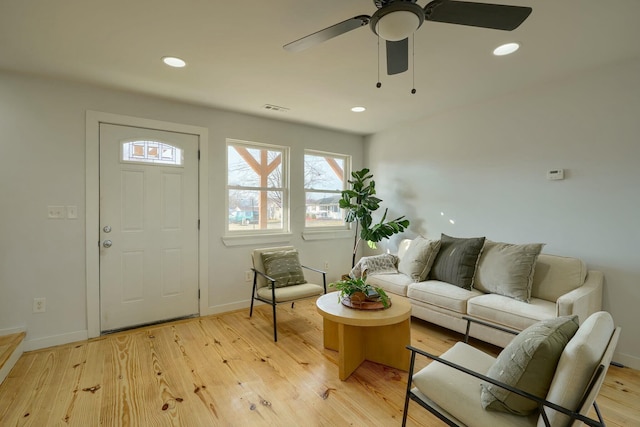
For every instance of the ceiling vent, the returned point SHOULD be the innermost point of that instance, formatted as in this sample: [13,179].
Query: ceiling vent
[270,107]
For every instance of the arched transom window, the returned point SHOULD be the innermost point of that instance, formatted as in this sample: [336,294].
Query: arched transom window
[151,152]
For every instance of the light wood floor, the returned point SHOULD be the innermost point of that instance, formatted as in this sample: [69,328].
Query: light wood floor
[226,370]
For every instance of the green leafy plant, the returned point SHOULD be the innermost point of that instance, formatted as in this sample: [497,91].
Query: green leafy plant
[359,202]
[349,287]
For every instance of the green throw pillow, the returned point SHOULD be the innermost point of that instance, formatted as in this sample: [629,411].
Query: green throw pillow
[284,267]
[528,363]
[456,260]
[507,269]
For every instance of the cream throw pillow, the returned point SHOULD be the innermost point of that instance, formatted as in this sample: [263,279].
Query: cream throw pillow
[507,269]
[417,261]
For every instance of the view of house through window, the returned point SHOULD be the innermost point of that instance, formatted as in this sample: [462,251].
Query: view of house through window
[256,187]
[325,176]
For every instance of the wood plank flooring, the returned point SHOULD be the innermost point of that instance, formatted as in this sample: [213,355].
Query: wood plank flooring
[8,343]
[225,370]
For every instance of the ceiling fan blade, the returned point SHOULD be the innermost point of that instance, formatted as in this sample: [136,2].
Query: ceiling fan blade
[397,56]
[328,33]
[495,16]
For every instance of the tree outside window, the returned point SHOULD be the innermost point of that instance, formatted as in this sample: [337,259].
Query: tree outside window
[256,187]
[325,175]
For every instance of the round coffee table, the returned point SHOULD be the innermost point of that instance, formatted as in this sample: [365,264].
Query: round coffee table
[380,336]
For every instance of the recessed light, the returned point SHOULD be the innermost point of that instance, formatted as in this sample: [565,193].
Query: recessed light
[358,109]
[172,61]
[506,49]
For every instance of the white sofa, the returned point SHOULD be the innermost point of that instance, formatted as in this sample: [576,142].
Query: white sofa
[561,286]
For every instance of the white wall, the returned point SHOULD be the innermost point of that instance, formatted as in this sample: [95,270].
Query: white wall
[484,166]
[42,162]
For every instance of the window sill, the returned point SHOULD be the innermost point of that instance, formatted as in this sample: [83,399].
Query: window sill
[256,239]
[327,234]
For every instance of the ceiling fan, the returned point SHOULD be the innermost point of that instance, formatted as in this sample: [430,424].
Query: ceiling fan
[396,20]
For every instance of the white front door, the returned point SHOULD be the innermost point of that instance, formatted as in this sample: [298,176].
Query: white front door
[148,226]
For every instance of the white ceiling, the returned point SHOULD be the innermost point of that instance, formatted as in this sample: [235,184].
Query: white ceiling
[236,61]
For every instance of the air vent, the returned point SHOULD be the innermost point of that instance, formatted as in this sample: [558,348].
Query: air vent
[270,107]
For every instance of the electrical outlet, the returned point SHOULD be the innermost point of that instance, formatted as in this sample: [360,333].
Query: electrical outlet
[56,212]
[248,276]
[326,265]
[39,305]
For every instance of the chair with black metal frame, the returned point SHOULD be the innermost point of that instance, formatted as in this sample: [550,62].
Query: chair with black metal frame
[265,289]
[592,349]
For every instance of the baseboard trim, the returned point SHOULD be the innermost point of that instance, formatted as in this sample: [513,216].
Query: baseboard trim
[40,343]
[10,363]
[224,308]
[627,360]
[11,331]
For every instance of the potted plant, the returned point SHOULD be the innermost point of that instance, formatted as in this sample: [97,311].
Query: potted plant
[359,291]
[359,202]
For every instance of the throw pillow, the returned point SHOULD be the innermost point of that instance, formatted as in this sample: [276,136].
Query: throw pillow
[528,363]
[507,269]
[376,264]
[418,260]
[456,260]
[284,267]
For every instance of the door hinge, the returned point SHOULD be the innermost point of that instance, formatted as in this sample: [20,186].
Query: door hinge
[198,224]
[198,154]
[198,293]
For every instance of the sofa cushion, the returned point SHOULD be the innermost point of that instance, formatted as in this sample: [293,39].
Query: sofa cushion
[284,267]
[555,275]
[419,257]
[507,269]
[509,312]
[394,283]
[456,260]
[442,294]
[577,364]
[528,363]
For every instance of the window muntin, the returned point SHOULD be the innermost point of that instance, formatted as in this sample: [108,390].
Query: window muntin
[257,193]
[154,152]
[325,176]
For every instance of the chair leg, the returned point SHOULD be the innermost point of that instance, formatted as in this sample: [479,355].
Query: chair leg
[406,397]
[253,292]
[292,304]
[275,330]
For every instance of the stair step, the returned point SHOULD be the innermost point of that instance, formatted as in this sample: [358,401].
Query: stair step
[10,352]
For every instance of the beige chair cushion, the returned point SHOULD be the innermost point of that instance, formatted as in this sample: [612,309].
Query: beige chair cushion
[458,393]
[577,364]
[507,269]
[291,293]
[555,275]
[418,259]
[528,363]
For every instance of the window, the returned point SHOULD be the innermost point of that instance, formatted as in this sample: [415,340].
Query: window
[257,188]
[325,176]
[151,152]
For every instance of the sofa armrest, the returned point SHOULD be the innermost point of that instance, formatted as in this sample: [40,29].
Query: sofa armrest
[583,301]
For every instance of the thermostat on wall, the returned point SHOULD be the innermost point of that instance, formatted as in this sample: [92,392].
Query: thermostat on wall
[555,174]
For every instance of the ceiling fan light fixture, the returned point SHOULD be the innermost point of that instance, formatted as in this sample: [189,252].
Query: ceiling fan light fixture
[397,21]
[506,49]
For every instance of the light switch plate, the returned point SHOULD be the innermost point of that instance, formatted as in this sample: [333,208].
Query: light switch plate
[72,212]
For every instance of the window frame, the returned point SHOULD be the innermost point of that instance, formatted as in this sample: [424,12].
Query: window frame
[285,189]
[346,174]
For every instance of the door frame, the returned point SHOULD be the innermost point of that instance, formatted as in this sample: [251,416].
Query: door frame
[92,206]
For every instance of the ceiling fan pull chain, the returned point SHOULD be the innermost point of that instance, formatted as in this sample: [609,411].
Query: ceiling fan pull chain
[378,85]
[413,63]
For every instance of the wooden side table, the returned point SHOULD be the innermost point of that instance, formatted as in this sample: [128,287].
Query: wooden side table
[379,336]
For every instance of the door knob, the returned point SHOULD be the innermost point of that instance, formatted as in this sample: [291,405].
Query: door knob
[106,229]
[107,243]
